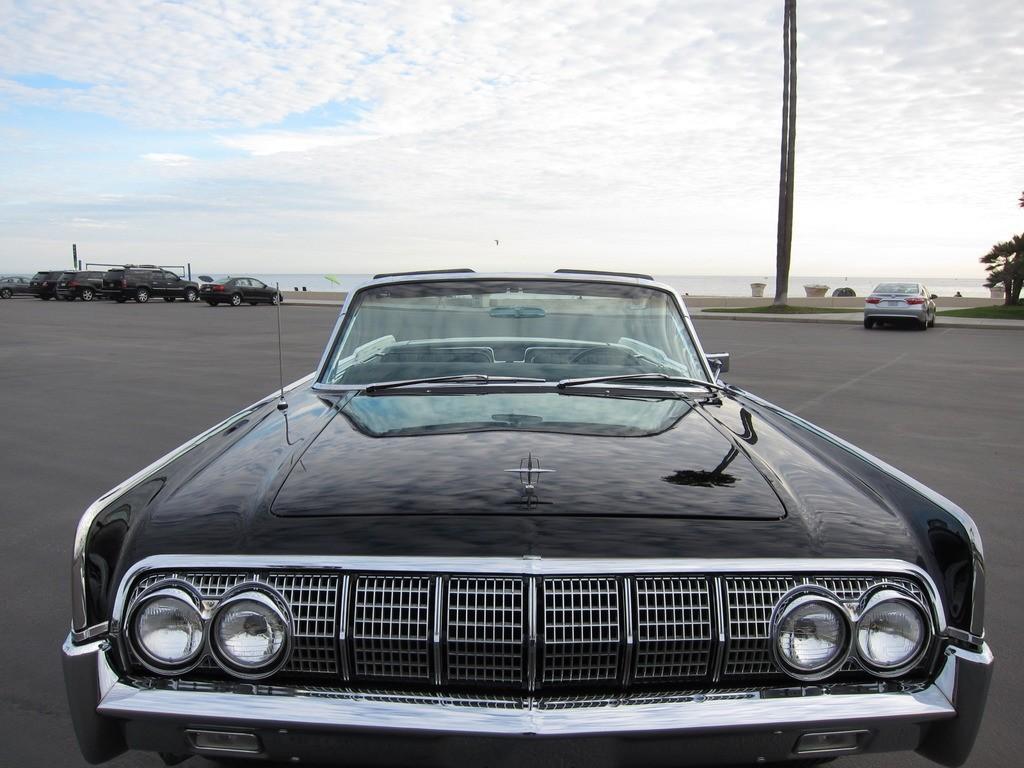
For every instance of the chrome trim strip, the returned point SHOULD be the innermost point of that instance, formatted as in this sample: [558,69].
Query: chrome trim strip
[89,633]
[627,611]
[342,614]
[531,634]
[439,608]
[719,658]
[79,611]
[978,582]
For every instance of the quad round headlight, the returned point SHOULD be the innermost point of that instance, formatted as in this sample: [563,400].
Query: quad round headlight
[810,634]
[166,628]
[892,632]
[250,633]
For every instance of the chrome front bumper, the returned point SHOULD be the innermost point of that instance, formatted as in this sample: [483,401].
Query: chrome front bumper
[112,714]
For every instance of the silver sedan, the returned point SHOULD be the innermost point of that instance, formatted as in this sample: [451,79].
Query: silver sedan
[900,301]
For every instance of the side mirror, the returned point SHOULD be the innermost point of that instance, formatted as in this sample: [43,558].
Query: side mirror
[719,363]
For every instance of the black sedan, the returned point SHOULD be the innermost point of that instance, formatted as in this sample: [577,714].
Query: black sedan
[14,285]
[521,520]
[237,291]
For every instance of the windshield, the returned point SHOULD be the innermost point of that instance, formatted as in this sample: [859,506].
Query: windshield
[546,329]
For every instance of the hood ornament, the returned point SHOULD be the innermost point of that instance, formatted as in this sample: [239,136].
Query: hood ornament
[529,472]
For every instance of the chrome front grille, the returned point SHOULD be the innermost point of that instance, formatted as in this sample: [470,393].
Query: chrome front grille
[391,627]
[486,639]
[582,626]
[524,632]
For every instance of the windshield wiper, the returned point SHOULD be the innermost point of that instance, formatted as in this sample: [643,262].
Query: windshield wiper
[626,377]
[461,378]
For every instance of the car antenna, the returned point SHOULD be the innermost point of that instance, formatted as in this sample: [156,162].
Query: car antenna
[282,404]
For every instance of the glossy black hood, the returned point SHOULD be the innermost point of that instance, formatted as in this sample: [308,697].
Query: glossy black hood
[727,478]
[527,454]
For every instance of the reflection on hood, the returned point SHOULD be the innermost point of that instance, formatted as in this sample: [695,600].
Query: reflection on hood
[417,414]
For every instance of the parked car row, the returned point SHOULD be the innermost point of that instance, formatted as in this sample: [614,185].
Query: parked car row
[139,283]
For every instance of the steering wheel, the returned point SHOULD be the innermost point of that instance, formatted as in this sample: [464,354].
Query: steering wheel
[606,356]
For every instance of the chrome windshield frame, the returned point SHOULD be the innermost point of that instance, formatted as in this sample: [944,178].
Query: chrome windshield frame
[319,383]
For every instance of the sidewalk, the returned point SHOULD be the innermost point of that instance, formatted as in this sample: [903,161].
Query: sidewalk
[853,318]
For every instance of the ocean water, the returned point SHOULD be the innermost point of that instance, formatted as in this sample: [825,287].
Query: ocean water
[692,285]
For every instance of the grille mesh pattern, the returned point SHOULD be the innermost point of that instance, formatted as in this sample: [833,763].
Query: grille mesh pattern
[581,630]
[485,630]
[750,602]
[391,627]
[210,585]
[673,628]
[313,599]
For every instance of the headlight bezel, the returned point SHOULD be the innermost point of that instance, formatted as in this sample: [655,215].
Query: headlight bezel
[795,598]
[178,590]
[878,595]
[267,597]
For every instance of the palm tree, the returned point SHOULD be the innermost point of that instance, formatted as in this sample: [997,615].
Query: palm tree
[784,241]
[1005,265]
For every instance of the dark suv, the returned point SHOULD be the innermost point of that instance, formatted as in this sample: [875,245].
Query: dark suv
[43,285]
[79,285]
[145,282]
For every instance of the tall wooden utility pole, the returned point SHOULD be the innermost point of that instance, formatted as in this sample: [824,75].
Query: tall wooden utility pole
[784,241]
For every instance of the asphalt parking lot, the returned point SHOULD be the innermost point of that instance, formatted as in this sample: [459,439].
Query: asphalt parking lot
[90,393]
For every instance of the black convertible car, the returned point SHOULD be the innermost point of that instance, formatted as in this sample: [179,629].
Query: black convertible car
[520,520]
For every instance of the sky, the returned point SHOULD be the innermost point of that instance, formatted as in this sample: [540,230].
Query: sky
[353,137]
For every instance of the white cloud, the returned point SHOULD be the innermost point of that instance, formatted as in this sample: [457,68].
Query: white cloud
[81,222]
[168,159]
[626,130]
